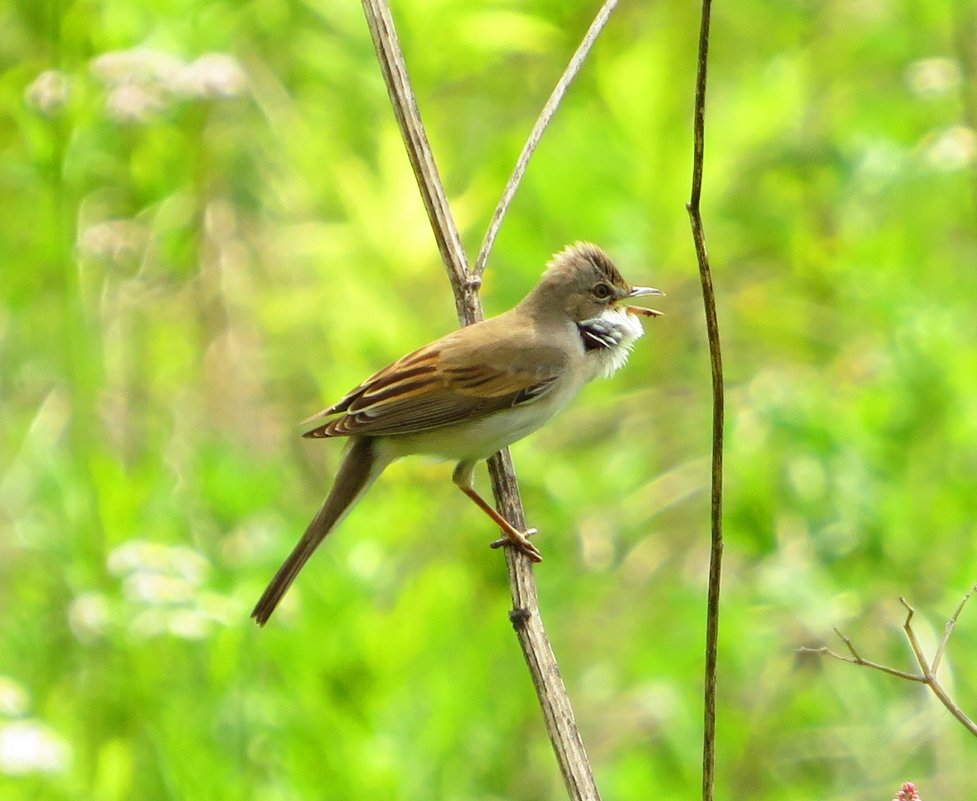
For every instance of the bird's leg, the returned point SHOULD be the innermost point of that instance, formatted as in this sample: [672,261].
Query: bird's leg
[518,539]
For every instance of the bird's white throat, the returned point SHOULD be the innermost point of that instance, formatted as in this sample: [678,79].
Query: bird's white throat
[608,339]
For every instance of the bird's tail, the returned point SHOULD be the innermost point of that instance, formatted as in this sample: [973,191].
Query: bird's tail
[359,469]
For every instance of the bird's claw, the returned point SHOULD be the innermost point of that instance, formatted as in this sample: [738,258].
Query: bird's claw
[521,543]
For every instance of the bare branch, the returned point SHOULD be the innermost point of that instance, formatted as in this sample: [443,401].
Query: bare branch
[718,402]
[525,616]
[913,642]
[857,659]
[404,103]
[927,673]
[951,705]
[537,133]
[948,629]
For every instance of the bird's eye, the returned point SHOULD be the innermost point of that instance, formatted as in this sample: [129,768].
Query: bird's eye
[602,291]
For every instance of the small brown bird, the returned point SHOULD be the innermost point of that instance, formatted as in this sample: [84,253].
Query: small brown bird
[477,390]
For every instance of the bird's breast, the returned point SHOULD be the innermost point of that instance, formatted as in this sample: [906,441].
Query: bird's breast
[480,437]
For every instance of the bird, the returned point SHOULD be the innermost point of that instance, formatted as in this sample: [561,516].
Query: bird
[475,391]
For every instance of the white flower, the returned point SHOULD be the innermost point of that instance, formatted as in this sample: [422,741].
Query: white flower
[213,75]
[134,102]
[49,92]
[117,242]
[29,746]
[951,149]
[932,77]
[88,616]
[138,65]
[14,699]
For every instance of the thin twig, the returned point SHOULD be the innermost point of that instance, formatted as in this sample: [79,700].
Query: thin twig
[927,673]
[718,402]
[541,123]
[917,649]
[950,625]
[951,706]
[525,616]
[857,659]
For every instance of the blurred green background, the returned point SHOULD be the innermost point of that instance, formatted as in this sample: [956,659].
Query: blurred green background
[209,230]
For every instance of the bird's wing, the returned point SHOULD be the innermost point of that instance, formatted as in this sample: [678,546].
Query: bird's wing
[437,386]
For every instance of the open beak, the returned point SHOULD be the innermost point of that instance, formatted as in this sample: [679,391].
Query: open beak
[641,311]
[640,291]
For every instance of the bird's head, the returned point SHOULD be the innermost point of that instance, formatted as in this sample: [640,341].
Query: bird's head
[583,282]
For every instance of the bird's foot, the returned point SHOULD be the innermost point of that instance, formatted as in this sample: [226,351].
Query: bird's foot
[520,541]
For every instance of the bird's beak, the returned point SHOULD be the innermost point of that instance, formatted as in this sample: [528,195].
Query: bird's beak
[640,291]
[640,311]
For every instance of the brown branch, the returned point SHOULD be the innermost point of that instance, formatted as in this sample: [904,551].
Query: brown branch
[718,402]
[554,701]
[948,629]
[576,62]
[927,674]
[421,157]
[857,659]
[525,616]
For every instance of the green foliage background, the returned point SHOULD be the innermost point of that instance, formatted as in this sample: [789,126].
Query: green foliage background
[186,272]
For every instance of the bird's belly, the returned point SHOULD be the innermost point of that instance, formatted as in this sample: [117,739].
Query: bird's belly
[483,436]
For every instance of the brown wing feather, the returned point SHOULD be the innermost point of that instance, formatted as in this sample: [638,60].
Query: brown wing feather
[424,390]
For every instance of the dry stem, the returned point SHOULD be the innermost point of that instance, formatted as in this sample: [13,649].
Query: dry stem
[525,616]
[536,134]
[718,403]
[927,674]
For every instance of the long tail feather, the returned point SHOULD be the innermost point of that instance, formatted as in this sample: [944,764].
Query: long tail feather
[359,469]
